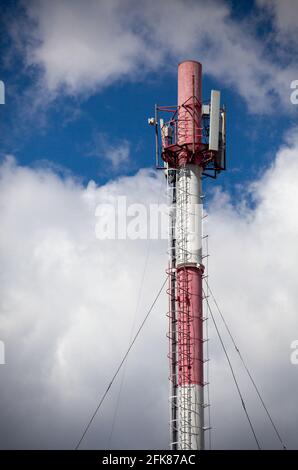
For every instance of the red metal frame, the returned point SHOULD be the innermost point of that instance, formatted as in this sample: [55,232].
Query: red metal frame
[197,152]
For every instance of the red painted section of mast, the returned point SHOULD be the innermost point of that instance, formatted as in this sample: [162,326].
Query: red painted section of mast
[190,326]
[189,101]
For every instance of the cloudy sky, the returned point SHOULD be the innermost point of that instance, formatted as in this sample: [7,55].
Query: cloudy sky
[81,78]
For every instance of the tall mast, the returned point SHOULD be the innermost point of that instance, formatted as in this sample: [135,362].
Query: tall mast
[189,266]
[192,145]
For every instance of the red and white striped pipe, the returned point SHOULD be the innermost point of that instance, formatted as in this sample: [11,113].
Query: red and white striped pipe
[189,268]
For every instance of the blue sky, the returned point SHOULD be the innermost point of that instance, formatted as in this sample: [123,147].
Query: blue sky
[64,130]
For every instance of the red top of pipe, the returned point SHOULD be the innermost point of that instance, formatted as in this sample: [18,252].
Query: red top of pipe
[189,81]
[189,106]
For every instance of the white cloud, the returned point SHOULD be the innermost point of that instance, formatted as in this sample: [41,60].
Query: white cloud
[118,154]
[68,303]
[67,308]
[253,265]
[285,15]
[82,49]
[116,151]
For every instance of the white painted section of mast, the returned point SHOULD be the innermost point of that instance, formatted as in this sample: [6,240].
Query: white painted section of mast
[191,417]
[189,216]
